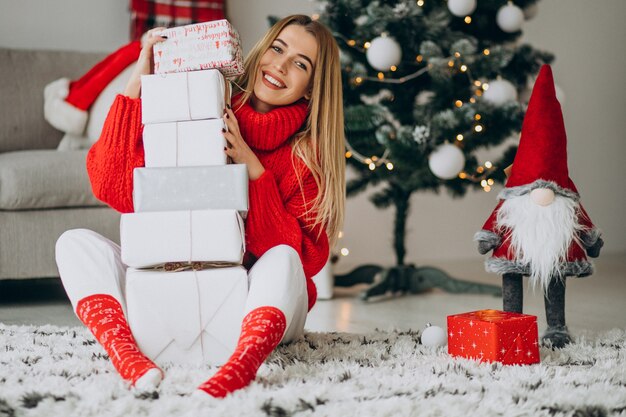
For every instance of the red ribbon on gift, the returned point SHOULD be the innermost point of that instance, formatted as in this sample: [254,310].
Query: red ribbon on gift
[491,315]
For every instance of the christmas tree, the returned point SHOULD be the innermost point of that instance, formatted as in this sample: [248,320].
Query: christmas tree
[427,84]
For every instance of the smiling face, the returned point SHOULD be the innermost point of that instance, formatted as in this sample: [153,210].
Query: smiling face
[285,70]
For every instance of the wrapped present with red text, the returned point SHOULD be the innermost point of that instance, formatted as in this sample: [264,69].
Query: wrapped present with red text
[494,336]
[207,45]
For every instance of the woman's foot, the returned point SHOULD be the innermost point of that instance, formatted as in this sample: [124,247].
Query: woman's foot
[149,381]
[104,317]
[261,331]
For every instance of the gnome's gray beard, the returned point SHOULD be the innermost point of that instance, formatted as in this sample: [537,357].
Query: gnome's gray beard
[540,236]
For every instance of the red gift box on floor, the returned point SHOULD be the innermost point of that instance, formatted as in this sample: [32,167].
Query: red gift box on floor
[492,335]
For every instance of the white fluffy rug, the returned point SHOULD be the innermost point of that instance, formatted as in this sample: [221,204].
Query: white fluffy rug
[61,371]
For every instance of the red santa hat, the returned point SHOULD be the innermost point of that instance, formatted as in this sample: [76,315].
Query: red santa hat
[66,103]
[541,158]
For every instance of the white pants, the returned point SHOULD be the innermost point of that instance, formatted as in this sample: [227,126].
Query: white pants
[91,264]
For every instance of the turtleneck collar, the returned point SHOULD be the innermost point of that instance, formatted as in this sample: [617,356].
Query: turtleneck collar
[268,131]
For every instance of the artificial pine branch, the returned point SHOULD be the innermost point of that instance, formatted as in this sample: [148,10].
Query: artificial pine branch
[392,128]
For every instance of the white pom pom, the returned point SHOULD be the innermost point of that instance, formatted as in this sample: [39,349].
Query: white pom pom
[383,53]
[500,92]
[434,336]
[461,8]
[510,18]
[446,161]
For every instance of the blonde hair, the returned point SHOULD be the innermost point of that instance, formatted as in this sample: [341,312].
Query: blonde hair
[320,144]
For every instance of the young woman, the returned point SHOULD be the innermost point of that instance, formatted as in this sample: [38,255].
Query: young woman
[286,125]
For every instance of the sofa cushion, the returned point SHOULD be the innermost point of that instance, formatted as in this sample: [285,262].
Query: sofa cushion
[24,75]
[44,179]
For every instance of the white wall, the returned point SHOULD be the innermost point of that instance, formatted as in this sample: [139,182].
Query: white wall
[82,25]
[587,38]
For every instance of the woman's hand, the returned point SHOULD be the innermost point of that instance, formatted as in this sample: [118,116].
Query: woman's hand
[144,63]
[238,149]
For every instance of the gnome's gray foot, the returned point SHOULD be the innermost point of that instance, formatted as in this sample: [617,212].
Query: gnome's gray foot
[556,337]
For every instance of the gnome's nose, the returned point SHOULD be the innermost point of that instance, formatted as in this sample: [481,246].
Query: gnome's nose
[542,196]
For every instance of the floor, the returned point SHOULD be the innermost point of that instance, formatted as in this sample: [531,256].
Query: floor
[593,304]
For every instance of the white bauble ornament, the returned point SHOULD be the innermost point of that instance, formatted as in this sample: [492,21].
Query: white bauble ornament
[500,92]
[434,336]
[446,161]
[383,53]
[510,18]
[461,8]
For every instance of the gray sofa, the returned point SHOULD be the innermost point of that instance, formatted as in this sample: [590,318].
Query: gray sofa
[43,192]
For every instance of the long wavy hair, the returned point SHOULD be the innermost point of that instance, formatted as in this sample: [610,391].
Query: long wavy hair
[320,144]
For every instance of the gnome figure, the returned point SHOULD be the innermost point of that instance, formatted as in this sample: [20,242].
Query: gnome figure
[539,228]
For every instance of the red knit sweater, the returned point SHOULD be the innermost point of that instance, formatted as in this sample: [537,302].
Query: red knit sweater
[277,200]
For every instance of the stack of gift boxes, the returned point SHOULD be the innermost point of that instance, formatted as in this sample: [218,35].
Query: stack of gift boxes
[184,244]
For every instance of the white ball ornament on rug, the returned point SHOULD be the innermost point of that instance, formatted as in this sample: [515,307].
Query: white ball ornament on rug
[510,18]
[461,8]
[500,92]
[434,336]
[383,53]
[446,161]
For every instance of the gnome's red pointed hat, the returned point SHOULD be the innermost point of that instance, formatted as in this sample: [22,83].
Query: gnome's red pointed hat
[541,158]
[66,103]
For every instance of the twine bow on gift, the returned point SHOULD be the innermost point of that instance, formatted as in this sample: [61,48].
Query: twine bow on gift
[192,266]
[491,315]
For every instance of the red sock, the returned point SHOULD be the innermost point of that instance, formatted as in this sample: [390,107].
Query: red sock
[103,315]
[261,331]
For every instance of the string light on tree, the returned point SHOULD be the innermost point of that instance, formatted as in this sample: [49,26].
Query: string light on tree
[384,53]
[446,161]
[461,8]
[510,18]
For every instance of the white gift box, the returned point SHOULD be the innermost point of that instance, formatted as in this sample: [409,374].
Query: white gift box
[183,96]
[189,317]
[192,143]
[199,46]
[154,238]
[191,188]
